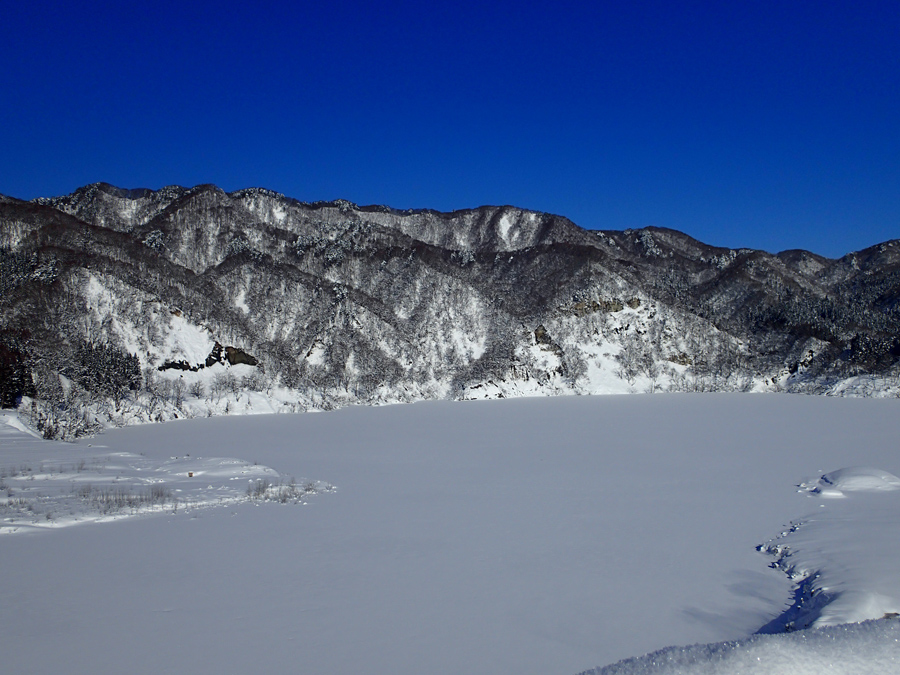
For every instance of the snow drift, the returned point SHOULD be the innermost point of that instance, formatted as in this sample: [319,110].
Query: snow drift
[870,648]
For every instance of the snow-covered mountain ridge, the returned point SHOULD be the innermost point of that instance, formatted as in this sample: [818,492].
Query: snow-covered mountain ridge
[328,303]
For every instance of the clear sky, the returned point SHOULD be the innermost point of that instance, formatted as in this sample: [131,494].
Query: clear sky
[765,124]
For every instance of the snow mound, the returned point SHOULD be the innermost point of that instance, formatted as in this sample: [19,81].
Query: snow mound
[852,479]
[870,647]
[843,557]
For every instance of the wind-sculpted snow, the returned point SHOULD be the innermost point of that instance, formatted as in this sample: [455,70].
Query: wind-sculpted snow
[853,479]
[843,556]
[871,648]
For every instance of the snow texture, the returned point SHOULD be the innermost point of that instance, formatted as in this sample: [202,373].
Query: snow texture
[45,485]
[867,648]
[525,536]
[853,479]
[842,556]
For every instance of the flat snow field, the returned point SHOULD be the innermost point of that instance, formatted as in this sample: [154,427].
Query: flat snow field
[548,535]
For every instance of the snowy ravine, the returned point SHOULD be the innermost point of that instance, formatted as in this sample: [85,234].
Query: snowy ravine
[544,535]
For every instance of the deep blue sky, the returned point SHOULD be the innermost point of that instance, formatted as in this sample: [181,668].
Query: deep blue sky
[771,125]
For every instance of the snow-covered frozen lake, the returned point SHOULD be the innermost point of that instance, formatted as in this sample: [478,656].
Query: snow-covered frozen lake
[546,535]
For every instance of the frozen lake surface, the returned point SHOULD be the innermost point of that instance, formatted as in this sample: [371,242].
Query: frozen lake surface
[546,535]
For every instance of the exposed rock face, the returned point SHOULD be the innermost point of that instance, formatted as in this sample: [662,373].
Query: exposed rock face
[236,356]
[371,304]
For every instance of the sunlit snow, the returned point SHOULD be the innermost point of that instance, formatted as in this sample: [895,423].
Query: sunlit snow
[871,648]
[547,535]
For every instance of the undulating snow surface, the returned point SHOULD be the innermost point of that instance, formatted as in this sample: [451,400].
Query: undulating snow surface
[870,648]
[844,554]
[544,535]
[45,485]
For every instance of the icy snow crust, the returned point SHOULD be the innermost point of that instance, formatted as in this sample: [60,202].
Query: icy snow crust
[526,536]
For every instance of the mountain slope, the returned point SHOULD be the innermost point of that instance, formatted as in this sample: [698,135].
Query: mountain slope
[338,303]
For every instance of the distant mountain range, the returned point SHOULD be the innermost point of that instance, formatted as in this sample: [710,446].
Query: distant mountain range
[329,303]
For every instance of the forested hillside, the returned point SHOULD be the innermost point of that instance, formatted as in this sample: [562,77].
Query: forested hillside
[139,304]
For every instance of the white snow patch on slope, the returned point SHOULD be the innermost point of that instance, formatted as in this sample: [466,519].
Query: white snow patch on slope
[503,227]
[316,355]
[471,347]
[98,297]
[602,372]
[181,339]
[240,301]
[188,341]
